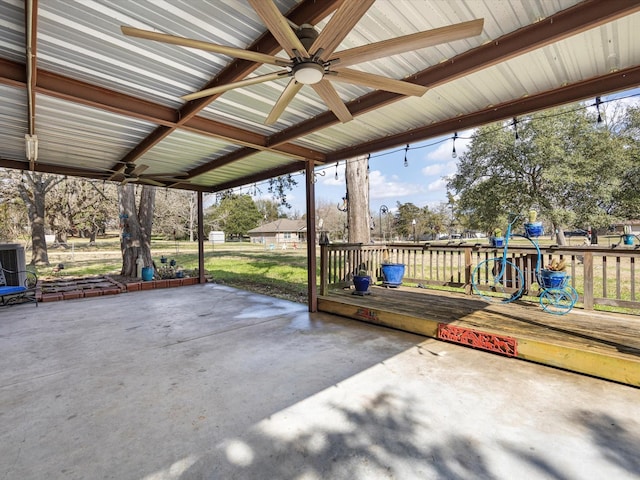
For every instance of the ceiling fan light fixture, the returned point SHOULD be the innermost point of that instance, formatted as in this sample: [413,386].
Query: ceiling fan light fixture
[308,73]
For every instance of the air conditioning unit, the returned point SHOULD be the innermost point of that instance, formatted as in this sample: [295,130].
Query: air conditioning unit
[12,258]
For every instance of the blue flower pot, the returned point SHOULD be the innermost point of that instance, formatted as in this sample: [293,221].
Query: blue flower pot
[147,274]
[552,279]
[628,239]
[497,241]
[392,273]
[361,283]
[533,229]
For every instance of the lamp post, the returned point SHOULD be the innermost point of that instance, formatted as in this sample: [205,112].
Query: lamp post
[413,222]
[383,209]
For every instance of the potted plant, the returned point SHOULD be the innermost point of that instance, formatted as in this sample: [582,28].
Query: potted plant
[497,240]
[362,281]
[554,275]
[533,228]
[392,274]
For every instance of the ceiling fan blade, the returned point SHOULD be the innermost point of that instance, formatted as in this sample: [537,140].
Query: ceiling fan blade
[377,81]
[279,27]
[339,26]
[241,83]
[329,95]
[207,46]
[165,175]
[138,170]
[150,181]
[286,96]
[406,43]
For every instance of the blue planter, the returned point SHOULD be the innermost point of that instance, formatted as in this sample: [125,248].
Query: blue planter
[497,241]
[147,274]
[533,229]
[392,273]
[552,279]
[628,239]
[361,283]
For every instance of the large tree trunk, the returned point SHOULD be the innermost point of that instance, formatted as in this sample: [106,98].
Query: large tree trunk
[358,216]
[135,225]
[32,189]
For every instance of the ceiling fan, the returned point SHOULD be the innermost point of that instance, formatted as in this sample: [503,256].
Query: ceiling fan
[312,57]
[131,172]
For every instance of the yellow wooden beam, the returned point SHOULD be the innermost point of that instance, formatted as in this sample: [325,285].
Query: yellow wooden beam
[595,363]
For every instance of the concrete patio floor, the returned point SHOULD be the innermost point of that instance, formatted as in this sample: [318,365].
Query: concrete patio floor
[210,382]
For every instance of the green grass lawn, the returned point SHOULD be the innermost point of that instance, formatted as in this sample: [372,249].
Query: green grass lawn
[252,267]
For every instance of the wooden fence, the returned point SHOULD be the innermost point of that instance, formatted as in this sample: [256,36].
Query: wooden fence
[602,276]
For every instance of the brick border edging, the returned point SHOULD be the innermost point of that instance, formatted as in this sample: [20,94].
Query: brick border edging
[118,287]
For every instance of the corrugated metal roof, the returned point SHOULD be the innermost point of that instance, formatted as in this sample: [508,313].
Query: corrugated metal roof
[103,98]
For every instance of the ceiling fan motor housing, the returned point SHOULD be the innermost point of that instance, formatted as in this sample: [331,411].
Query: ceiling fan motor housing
[307,34]
[307,70]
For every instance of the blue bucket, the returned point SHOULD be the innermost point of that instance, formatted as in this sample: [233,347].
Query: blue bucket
[147,274]
[533,229]
[628,239]
[552,279]
[393,273]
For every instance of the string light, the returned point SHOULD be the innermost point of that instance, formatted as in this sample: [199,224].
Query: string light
[368,157]
[599,122]
[453,153]
[493,131]
[406,161]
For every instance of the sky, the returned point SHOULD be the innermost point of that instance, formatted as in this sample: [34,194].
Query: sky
[421,182]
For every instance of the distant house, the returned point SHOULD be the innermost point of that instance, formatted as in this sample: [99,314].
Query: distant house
[282,232]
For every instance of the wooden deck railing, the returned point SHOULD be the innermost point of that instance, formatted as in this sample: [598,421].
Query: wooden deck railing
[601,275]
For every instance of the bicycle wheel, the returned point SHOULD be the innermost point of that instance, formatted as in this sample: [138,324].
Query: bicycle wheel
[556,301]
[490,282]
[573,293]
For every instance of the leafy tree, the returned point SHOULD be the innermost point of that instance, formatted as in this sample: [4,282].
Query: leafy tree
[234,214]
[428,223]
[407,212]
[81,208]
[278,188]
[560,164]
[331,220]
[174,215]
[13,213]
[32,189]
[268,209]
[627,199]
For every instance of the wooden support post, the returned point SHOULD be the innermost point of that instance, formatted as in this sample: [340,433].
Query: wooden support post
[467,271]
[312,288]
[587,264]
[201,278]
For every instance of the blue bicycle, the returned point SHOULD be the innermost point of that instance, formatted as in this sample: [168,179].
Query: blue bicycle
[499,280]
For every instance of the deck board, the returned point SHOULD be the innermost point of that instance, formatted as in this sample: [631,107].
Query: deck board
[605,345]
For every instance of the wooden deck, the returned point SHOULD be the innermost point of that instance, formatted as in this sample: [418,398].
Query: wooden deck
[600,344]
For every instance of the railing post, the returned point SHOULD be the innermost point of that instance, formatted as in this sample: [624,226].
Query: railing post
[587,264]
[467,270]
[324,269]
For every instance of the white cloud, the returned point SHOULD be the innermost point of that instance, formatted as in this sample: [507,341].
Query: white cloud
[440,162]
[381,187]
